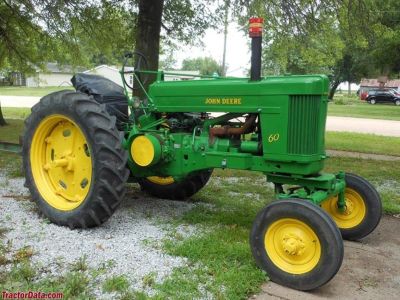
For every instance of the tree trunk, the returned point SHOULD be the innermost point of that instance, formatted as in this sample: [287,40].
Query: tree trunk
[148,32]
[333,88]
[2,121]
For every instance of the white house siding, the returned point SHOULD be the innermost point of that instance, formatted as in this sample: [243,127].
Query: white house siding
[49,79]
[107,72]
[32,81]
[55,79]
[114,75]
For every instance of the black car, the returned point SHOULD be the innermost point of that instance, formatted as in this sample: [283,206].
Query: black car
[383,95]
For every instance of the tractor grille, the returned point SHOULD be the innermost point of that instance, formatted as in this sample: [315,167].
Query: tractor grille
[303,126]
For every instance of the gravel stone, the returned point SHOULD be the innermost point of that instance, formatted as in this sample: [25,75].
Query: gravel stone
[121,242]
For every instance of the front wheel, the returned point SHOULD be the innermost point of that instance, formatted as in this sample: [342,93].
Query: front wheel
[372,101]
[297,244]
[397,102]
[363,209]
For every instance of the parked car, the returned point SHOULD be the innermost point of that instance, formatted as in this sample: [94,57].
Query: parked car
[382,96]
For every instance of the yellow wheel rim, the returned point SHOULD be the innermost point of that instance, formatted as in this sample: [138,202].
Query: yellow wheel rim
[161,180]
[354,213]
[292,246]
[61,162]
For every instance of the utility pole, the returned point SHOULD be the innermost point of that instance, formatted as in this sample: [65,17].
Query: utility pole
[223,71]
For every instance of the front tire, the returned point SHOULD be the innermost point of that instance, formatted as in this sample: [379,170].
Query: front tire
[75,166]
[363,208]
[297,244]
[372,101]
[397,102]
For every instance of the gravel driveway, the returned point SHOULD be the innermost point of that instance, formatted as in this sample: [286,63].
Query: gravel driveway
[121,243]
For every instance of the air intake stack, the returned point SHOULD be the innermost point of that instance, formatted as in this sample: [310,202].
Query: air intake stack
[255,32]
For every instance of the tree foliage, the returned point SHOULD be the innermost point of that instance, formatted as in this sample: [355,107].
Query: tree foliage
[345,39]
[81,32]
[34,32]
[206,65]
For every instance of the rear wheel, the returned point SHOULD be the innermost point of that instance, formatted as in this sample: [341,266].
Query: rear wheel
[363,208]
[75,166]
[372,101]
[168,188]
[297,244]
[397,102]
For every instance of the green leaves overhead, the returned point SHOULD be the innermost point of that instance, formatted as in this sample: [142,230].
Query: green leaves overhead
[206,65]
[81,32]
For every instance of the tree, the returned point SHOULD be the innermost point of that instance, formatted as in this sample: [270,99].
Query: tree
[329,37]
[206,65]
[2,121]
[34,32]
[184,21]
[82,32]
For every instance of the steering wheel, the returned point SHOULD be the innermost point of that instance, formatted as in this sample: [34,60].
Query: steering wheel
[139,63]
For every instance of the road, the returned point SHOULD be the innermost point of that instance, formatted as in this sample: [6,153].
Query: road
[360,125]
[380,127]
[370,270]
[18,101]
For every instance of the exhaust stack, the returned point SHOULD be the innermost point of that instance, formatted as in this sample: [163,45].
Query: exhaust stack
[255,32]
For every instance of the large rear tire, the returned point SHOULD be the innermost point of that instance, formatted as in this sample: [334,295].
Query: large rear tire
[75,166]
[168,188]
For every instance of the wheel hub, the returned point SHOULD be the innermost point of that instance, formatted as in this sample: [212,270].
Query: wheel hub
[354,212]
[349,207]
[61,162]
[293,244]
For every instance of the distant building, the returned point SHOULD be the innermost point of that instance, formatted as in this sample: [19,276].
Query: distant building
[60,75]
[53,75]
[183,75]
[110,72]
[113,73]
[381,82]
[344,86]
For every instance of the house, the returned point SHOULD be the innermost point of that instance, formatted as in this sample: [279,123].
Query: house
[113,73]
[60,75]
[381,82]
[53,75]
[181,75]
[110,72]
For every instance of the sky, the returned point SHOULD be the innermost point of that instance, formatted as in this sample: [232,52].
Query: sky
[237,50]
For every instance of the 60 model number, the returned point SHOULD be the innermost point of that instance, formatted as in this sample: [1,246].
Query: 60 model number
[273,137]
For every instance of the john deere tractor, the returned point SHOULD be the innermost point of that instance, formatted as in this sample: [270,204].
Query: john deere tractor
[81,147]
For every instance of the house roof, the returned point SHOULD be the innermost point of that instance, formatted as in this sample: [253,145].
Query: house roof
[376,83]
[53,67]
[114,68]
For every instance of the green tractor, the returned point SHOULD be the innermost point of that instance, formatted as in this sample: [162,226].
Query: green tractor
[80,148]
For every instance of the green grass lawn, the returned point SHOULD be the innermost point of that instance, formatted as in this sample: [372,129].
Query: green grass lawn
[341,106]
[12,131]
[360,142]
[219,257]
[232,201]
[16,112]
[346,141]
[31,91]
[364,110]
